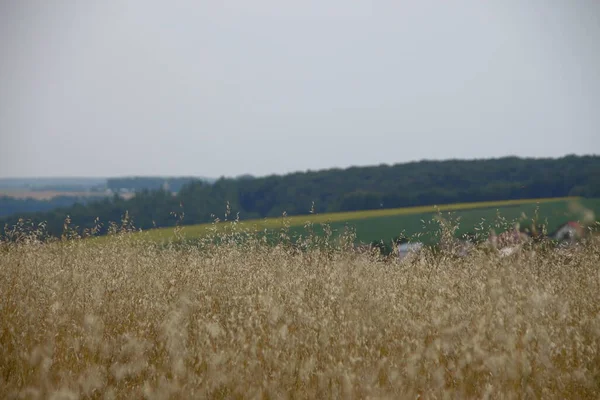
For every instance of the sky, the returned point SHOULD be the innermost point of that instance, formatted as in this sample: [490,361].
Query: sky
[225,88]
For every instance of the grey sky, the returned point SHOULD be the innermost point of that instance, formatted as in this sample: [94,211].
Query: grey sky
[212,88]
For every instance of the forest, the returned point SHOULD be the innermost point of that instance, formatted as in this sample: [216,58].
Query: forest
[355,188]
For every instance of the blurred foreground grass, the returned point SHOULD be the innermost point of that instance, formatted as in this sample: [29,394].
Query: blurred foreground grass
[129,318]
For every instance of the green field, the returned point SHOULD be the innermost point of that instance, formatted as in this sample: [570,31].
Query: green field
[386,224]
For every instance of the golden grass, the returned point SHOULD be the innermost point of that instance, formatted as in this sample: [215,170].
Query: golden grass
[199,230]
[127,319]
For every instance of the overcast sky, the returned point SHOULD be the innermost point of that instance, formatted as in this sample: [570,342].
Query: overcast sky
[213,88]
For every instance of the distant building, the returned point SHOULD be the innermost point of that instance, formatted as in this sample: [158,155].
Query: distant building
[407,248]
[510,238]
[568,232]
[508,242]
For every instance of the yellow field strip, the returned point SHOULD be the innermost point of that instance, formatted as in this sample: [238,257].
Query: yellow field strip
[299,220]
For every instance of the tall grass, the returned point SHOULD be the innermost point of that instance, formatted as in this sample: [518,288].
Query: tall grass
[245,319]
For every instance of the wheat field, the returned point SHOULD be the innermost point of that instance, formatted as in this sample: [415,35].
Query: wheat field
[242,320]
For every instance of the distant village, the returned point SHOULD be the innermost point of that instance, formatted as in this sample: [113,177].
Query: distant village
[505,243]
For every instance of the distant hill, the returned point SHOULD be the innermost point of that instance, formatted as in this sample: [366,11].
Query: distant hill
[350,189]
[83,184]
[138,183]
[54,184]
[20,196]
[20,206]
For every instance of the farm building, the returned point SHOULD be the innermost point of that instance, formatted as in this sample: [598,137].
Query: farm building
[568,232]
[510,238]
[405,249]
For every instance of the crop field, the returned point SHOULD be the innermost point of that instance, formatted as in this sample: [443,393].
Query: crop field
[386,224]
[135,319]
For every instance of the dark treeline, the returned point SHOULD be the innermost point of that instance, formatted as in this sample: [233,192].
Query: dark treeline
[356,188]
